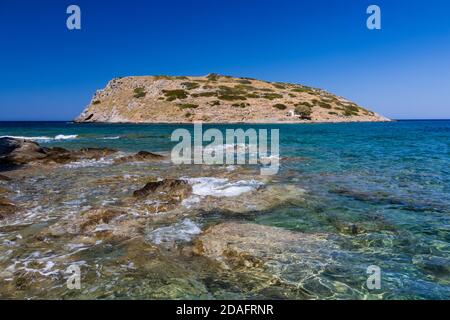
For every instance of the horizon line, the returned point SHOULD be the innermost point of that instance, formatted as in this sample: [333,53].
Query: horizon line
[72,121]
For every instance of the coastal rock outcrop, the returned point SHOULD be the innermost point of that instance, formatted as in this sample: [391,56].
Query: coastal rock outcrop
[217,99]
[174,189]
[141,156]
[16,152]
[164,195]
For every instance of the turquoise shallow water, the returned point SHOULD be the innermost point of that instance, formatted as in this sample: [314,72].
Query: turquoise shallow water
[391,180]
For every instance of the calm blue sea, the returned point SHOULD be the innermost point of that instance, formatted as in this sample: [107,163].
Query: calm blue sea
[392,180]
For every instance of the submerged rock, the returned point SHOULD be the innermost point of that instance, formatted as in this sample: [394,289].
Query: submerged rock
[139,157]
[174,189]
[434,266]
[7,208]
[94,224]
[4,190]
[270,259]
[4,178]
[162,196]
[382,197]
[91,219]
[63,156]
[245,244]
[260,199]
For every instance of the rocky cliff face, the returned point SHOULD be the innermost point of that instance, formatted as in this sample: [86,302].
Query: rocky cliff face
[218,99]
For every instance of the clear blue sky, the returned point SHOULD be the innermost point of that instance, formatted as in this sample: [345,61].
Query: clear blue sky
[50,73]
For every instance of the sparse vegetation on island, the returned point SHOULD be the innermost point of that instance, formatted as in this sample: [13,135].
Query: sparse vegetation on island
[139,92]
[303,111]
[172,95]
[218,98]
[280,106]
[187,105]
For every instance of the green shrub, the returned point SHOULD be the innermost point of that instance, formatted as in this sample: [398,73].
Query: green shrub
[333,113]
[205,94]
[231,94]
[244,87]
[266,90]
[244,81]
[213,77]
[280,106]
[351,110]
[139,92]
[300,90]
[190,85]
[303,111]
[187,105]
[240,105]
[172,95]
[230,97]
[349,113]
[215,103]
[96,102]
[188,114]
[304,103]
[279,85]
[252,95]
[291,95]
[324,105]
[162,77]
[272,96]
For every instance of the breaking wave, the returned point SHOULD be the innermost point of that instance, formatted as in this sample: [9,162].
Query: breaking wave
[45,138]
[221,187]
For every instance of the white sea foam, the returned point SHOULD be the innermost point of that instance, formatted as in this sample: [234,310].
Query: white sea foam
[66,137]
[111,138]
[44,138]
[190,202]
[89,163]
[221,187]
[228,147]
[181,231]
[27,138]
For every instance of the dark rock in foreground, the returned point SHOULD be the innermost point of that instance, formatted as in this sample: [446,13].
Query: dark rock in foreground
[17,152]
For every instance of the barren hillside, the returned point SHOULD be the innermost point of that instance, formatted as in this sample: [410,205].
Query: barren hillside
[217,99]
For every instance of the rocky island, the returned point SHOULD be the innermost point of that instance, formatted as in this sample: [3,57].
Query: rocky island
[218,99]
